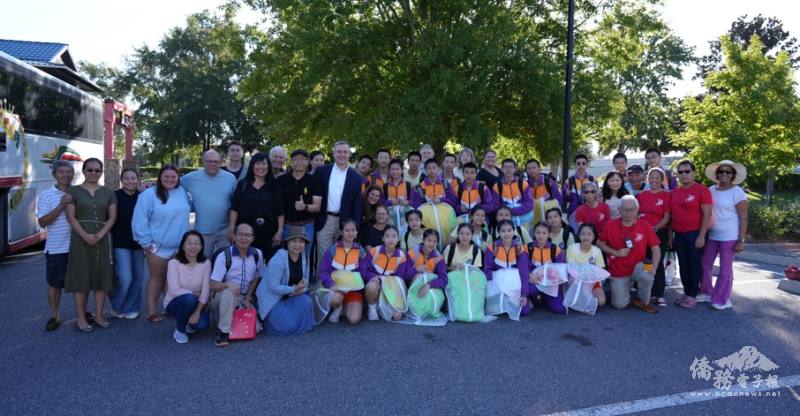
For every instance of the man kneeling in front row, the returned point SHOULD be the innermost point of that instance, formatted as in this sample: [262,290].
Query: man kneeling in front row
[234,278]
[626,240]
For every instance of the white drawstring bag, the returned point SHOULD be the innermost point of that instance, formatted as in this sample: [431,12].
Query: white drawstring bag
[503,294]
[551,275]
[579,296]
[670,267]
[321,302]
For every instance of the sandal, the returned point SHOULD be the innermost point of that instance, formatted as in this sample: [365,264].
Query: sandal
[87,329]
[104,324]
[52,324]
[155,318]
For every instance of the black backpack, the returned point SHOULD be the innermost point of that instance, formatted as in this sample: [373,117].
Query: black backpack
[227,253]
[452,253]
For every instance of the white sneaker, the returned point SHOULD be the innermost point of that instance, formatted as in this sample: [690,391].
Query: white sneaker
[335,314]
[703,298]
[372,312]
[131,315]
[180,337]
[727,305]
[189,329]
[115,314]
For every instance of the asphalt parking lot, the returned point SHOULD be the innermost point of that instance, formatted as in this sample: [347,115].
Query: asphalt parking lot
[611,363]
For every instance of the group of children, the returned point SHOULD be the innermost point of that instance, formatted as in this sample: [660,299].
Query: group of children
[415,253]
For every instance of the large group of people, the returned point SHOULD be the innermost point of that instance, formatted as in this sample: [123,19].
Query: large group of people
[316,241]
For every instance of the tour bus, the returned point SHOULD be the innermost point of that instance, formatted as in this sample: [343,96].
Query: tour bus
[58,122]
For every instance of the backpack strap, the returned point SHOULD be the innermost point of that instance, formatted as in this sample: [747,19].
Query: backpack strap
[475,253]
[451,253]
[547,178]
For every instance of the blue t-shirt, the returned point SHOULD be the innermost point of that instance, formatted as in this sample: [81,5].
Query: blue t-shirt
[211,198]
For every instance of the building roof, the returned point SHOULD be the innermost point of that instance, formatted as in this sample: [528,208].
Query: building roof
[53,58]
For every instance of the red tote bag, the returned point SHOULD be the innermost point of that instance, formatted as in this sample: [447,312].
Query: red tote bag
[244,324]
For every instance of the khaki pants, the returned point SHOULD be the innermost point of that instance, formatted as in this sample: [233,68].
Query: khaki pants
[223,303]
[215,241]
[621,287]
[326,237]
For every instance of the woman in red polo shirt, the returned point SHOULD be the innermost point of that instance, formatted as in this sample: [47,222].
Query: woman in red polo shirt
[654,207]
[691,205]
[592,211]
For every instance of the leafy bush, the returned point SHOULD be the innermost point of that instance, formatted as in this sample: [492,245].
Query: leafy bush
[780,222]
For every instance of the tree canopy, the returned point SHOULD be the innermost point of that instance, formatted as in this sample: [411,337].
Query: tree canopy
[751,113]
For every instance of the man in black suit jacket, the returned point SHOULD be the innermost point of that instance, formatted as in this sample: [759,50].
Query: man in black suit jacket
[340,187]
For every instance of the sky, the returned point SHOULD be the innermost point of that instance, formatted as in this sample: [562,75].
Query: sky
[106,31]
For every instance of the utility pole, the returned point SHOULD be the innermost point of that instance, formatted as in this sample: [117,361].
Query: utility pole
[568,93]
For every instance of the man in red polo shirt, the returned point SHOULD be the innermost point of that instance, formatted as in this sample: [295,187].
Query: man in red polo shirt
[626,240]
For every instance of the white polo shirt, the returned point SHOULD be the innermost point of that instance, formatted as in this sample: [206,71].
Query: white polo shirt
[58,231]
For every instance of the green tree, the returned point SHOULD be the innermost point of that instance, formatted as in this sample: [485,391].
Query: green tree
[640,55]
[770,32]
[410,72]
[751,113]
[187,86]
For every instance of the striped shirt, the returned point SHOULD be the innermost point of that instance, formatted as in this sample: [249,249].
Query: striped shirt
[58,231]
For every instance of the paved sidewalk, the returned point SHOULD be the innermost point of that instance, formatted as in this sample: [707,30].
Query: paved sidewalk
[781,254]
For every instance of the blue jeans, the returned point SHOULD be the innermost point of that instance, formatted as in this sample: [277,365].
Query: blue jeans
[130,271]
[309,233]
[182,308]
[690,262]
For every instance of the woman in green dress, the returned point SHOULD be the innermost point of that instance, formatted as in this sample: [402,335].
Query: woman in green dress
[91,214]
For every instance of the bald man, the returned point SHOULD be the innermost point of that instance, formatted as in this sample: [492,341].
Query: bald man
[211,190]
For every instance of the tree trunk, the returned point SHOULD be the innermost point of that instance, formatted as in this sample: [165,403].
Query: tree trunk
[770,186]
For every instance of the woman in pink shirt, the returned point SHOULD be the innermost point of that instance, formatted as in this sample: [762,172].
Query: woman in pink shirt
[187,287]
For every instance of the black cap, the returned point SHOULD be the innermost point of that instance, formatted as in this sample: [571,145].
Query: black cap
[299,152]
[635,169]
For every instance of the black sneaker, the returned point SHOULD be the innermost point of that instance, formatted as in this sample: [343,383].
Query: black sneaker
[222,339]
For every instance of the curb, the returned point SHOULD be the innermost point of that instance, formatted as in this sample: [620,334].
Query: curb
[767,258]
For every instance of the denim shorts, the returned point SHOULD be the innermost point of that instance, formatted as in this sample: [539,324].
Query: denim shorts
[56,269]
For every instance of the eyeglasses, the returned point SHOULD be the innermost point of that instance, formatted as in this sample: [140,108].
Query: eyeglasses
[94,170]
[724,172]
[590,192]
[684,172]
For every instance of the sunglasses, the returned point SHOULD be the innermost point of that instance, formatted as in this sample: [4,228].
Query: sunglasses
[685,172]
[724,172]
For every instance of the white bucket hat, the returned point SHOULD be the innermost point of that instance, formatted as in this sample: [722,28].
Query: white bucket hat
[741,171]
